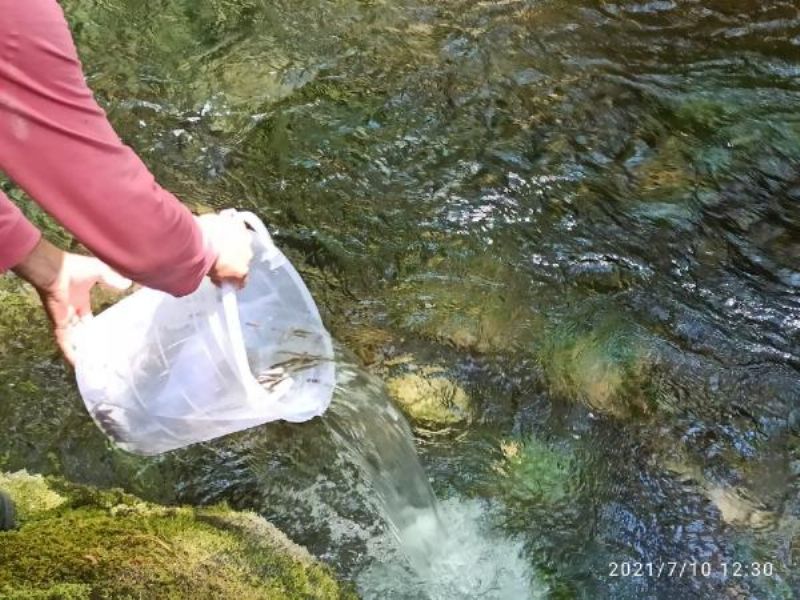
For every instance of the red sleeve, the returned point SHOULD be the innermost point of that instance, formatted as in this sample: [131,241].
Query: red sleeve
[17,235]
[57,144]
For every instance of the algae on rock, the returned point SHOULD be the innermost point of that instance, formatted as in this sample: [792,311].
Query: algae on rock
[531,471]
[433,401]
[602,361]
[77,542]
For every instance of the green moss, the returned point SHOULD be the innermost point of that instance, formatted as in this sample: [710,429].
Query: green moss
[22,321]
[32,493]
[533,473]
[430,400]
[67,591]
[542,486]
[704,114]
[80,542]
[600,360]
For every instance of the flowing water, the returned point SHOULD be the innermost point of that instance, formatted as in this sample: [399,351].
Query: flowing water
[376,436]
[436,553]
[564,233]
[355,475]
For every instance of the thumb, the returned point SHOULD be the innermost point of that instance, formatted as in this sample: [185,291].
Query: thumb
[108,277]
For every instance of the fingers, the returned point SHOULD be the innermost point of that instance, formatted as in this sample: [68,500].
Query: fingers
[238,281]
[232,241]
[63,337]
[68,301]
[65,328]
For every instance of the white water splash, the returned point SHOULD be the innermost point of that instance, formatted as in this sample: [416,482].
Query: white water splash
[471,560]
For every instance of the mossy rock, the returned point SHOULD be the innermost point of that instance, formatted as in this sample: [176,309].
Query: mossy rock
[533,472]
[31,493]
[76,542]
[602,361]
[430,399]
[472,303]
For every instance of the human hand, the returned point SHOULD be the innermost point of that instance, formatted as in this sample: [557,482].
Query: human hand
[231,240]
[64,282]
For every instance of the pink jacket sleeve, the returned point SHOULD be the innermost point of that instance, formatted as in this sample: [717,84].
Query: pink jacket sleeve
[17,235]
[56,143]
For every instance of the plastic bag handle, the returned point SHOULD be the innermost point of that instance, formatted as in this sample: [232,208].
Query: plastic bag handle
[257,225]
[230,305]
[231,309]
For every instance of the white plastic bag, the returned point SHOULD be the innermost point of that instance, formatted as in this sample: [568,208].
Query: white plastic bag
[158,372]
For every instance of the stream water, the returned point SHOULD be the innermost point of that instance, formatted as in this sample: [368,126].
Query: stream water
[565,234]
[447,553]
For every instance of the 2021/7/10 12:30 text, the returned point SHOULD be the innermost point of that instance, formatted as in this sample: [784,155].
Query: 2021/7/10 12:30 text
[689,568]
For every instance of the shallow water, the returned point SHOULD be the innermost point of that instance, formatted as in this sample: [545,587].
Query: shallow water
[585,213]
[351,487]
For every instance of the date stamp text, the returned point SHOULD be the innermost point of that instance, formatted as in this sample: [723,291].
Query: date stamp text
[690,568]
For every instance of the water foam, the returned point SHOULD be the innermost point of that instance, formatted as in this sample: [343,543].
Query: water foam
[472,560]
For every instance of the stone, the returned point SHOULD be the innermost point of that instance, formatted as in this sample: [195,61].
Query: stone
[77,542]
[431,400]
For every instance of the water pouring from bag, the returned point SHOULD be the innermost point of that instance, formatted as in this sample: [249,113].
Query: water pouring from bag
[159,373]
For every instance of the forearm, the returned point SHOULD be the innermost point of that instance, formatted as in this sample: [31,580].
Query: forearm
[41,266]
[57,144]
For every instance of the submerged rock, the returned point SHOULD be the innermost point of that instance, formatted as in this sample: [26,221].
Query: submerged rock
[370,344]
[601,361]
[469,302]
[432,400]
[533,472]
[79,542]
[737,506]
[736,509]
